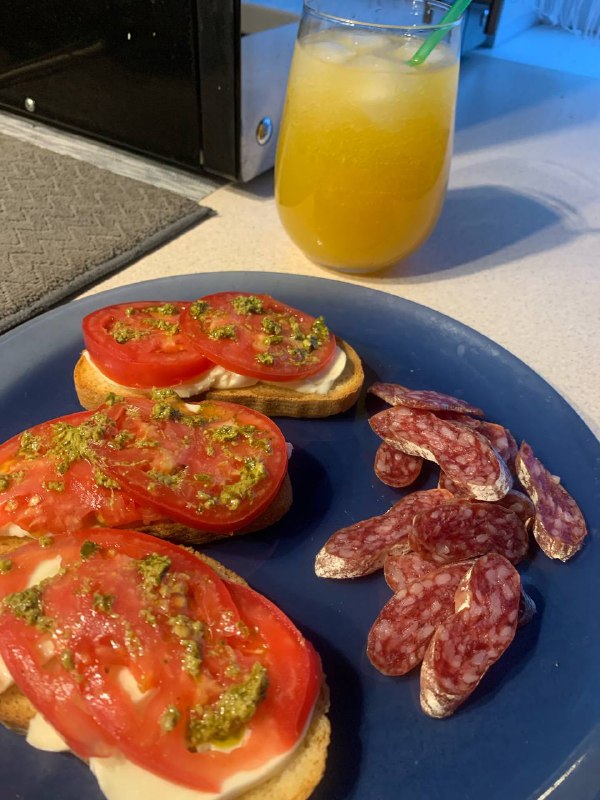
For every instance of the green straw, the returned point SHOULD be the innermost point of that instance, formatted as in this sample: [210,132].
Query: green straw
[452,15]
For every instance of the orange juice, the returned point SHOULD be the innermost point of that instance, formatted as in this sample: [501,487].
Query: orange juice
[365,146]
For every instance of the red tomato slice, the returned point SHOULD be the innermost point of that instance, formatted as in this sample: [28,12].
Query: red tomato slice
[46,484]
[216,469]
[141,345]
[257,336]
[152,608]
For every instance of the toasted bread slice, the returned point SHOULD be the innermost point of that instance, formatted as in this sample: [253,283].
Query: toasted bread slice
[274,400]
[182,534]
[300,774]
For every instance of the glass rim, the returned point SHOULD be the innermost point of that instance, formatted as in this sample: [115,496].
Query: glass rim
[312,7]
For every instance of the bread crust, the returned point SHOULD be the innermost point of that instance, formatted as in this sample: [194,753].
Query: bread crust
[301,773]
[273,400]
[182,534]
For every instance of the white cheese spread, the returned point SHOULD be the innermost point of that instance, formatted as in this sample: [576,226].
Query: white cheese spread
[220,378]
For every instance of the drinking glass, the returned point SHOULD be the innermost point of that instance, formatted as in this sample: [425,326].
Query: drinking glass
[366,139]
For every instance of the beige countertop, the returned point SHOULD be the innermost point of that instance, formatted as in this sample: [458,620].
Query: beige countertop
[516,254]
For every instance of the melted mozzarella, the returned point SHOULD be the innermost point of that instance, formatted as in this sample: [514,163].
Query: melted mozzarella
[6,679]
[130,685]
[215,378]
[120,779]
[43,736]
[220,378]
[47,568]
[12,529]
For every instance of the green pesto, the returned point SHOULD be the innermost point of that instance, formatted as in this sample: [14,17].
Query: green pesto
[103,602]
[265,358]
[296,330]
[131,311]
[141,443]
[170,328]
[29,445]
[122,333]
[164,410]
[105,481]
[223,332]
[165,310]
[8,478]
[66,659]
[71,442]
[320,330]
[205,501]
[169,718]
[172,480]
[164,394]
[152,569]
[248,304]
[184,627]
[46,541]
[27,605]
[227,716]
[271,326]
[112,399]
[252,472]
[203,477]
[224,433]
[5,565]
[54,486]
[89,549]
[148,616]
[123,439]
[192,660]
[268,341]
[198,309]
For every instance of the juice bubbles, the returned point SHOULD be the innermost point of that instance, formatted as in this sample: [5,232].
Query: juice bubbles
[365,146]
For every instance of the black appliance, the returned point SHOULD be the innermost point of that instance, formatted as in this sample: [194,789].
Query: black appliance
[195,83]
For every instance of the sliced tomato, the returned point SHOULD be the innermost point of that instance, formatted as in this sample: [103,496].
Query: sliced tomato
[257,336]
[47,485]
[146,628]
[215,469]
[141,344]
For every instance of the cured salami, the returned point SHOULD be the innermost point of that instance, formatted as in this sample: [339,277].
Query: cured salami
[519,504]
[468,642]
[361,548]
[463,454]
[395,468]
[559,526]
[401,568]
[513,500]
[397,395]
[467,529]
[498,436]
[401,632]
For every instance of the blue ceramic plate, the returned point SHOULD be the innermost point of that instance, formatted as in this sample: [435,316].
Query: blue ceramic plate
[532,728]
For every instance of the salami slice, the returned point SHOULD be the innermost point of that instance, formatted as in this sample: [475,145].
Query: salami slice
[467,529]
[361,548]
[463,454]
[519,504]
[513,500]
[401,568]
[397,395]
[498,436]
[559,526]
[469,641]
[395,468]
[400,634]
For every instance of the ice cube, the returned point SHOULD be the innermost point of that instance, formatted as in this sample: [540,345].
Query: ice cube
[364,41]
[332,52]
[371,63]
